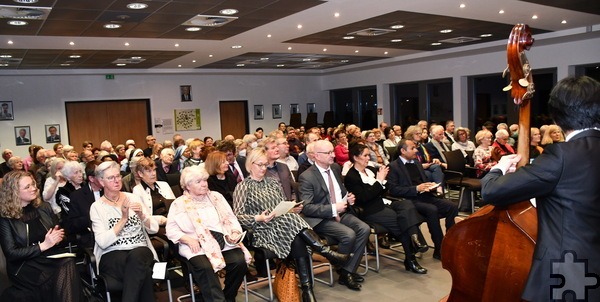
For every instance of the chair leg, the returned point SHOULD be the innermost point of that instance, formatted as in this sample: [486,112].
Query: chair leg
[269,279]
[328,283]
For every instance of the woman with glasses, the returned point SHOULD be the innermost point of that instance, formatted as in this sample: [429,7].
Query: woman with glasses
[483,153]
[287,235]
[121,224]
[462,142]
[341,147]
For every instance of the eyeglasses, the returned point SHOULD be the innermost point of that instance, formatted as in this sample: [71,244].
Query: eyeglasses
[325,152]
[113,178]
[261,165]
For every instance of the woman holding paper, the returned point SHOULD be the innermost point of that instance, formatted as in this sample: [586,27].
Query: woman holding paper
[209,236]
[287,235]
[29,233]
[121,224]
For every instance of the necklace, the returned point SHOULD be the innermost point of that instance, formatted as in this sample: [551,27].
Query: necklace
[113,201]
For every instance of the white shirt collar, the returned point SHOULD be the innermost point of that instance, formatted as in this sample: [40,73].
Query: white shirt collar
[575,132]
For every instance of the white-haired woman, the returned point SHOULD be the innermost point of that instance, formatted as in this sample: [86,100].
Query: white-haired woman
[72,172]
[121,225]
[209,235]
[54,181]
[483,153]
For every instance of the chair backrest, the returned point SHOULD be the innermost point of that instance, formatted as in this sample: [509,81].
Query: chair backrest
[296,120]
[311,120]
[328,119]
[469,158]
[455,160]
[393,152]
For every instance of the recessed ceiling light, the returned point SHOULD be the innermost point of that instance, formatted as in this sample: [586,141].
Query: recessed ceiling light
[136,58]
[436,43]
[240,65]
[136,5]
[534,17]
[385,53]
[280,65]
[345,61]
[324,49]
[336,15]
[397,26]
[65,64]
[445,31]
[228,11]
[501,11]
[179,65]
[17,22]
[264,59]
[356,51]
[462,5]
[3,65]
[193,28]
[10,42]
[112,26]
[563,21]
[396,40]
[126,44]
[236,46]
[299,26]
[74,56]
[121,64]
[26,1]
[5,56]
[193,61]
[210,56]
[269,35]
[71,43]
[176,45]
[307,60]
[290,48]
[348,37]
[485,35]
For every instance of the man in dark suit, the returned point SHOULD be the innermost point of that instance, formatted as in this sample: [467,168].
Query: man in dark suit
[6,155]
[564,179]
[54,137]
[278,170]
[329,212]
[237,164]
[166,164]
[22,138]
[407,179]
[78,220]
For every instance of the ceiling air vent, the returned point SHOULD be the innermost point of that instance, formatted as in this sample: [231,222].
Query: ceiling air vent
[370,32]
[209,21]
[459,40]
[24,13]
[10,60]
[128,61]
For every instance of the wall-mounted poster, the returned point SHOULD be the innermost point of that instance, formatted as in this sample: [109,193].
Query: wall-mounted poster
[186,93]
[187,119]
[311,107]
[23,135]
[6,111]
[276,111]
[259,112]
[52,133]
[294,108]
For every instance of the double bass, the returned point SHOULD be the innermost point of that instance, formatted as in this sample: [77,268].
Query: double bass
[489,254]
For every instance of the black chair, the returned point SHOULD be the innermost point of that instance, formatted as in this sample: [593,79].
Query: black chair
[456,176]
[296,120]
[328,119]
[311,120]
[393,152]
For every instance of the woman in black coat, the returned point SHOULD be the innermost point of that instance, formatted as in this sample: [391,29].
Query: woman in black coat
[29,234]
[400,218]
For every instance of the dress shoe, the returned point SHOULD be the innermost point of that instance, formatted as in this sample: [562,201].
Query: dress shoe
[312,239]
[437,254]
[347,279]
[414,266]
[419,245]
[383,242]
[370,248]
[358,278]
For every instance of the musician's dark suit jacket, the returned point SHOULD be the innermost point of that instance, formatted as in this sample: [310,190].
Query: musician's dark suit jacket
[160,171]
[565,180]
[78,220]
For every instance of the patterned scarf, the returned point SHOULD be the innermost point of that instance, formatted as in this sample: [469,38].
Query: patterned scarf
[229,224]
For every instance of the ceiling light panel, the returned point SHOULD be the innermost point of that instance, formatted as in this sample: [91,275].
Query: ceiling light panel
[209,21]
[24,12]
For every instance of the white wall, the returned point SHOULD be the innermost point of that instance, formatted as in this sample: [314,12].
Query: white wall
[39,99]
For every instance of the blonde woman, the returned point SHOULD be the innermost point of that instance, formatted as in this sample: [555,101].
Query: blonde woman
[53,182]
[552,135]
[483,153]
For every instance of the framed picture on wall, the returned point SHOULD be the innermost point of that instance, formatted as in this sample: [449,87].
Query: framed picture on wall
[6,111]
[52,133]
[277,111]
[259,112]
[23,135]
[294,108]
[186,93]
[311,107]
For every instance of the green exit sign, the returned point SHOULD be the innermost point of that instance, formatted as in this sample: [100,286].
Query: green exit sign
[110,76]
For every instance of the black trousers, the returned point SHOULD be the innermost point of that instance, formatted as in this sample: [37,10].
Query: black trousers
[208,281]
[392,221]
[134,269]
[433,209]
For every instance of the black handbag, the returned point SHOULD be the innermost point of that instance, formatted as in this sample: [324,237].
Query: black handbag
[219,237]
